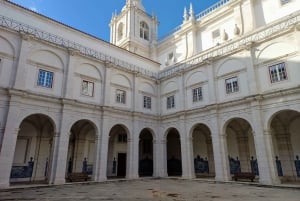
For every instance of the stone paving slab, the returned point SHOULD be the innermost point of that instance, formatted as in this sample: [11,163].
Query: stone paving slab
[153,190]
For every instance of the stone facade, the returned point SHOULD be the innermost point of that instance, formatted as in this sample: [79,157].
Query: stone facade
[217,96]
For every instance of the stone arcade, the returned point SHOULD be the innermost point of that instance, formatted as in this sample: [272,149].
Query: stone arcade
[218,95]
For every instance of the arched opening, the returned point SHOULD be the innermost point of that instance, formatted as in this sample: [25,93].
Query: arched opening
[33,152]
[203,151]
[285,126]
[120,31]
[144,30]
[117,152]
[241,147]
[81,149]
[174,166]
[145,153]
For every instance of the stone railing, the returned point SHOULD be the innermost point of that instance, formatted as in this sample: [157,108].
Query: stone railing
[229,47]
[211,8]
[198,16]
[62,42]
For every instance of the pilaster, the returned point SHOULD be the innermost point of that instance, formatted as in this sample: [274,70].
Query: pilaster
[9,143]
[264,148]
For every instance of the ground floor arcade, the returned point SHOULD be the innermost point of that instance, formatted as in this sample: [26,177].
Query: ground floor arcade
[42,147]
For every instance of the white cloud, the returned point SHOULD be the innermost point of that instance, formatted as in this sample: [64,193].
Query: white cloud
[33,9]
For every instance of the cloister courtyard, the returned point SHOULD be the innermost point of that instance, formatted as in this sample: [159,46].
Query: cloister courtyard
[155,189]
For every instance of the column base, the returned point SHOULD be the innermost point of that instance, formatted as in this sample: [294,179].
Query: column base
[59,181]
[270,182]
[4,185]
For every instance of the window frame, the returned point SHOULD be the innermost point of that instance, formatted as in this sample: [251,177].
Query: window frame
[279,77]
[121,98]
[42,82]
[170,102]
[197,97]
[93,88]
[147,102]
[232,89]
[284,2]
[144,31]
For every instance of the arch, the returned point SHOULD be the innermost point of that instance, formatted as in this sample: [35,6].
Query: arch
[228,120]
[94,125]
[6,47]
[46,57]
[34,149]
[229,66]
[275,50]
[41,114]
[169,87]
[147,87]
[121,80]
[90,70]
[168,130]
[274,113]
[150,131]
[144,30]
[123,126]
[195,77]
[202,153]
[192,129]
[120,31]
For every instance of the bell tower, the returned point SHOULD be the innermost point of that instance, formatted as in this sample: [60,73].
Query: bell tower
[135,30]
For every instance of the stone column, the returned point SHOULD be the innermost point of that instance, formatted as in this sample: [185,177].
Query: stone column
[97,157]
[210,156]
[220,152]
[106,85]
[9,141]
[133,154]
[103,150]
[191,146]
[163,171]
[53,160]
[264,148]
[61,145]
[156,154]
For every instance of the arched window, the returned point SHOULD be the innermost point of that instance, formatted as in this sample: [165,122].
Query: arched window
[144,30]
[120,31]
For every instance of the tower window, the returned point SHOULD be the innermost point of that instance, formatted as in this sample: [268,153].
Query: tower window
[120,31]
[144,30]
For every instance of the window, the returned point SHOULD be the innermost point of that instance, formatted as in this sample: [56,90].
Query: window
[277,72]
[120,31]
[232,85]
[122,137]
[120,96]
[45,78]
[170,102]
[147,102]
[144,31]
[197,94]
[283,2]
[216,36]
[87,88]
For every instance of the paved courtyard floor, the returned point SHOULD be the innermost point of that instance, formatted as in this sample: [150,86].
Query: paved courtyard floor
[153,189]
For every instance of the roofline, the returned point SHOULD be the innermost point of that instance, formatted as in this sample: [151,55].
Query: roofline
[75,29]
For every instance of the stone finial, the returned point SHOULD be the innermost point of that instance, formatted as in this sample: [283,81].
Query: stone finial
[185,15]
[192,14]
[236,30]
[224,35]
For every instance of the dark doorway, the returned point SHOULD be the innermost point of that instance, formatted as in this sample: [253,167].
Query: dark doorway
[145,154]
[121,165]
[174,153]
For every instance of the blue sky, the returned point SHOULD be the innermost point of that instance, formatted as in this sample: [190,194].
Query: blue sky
[93,16]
